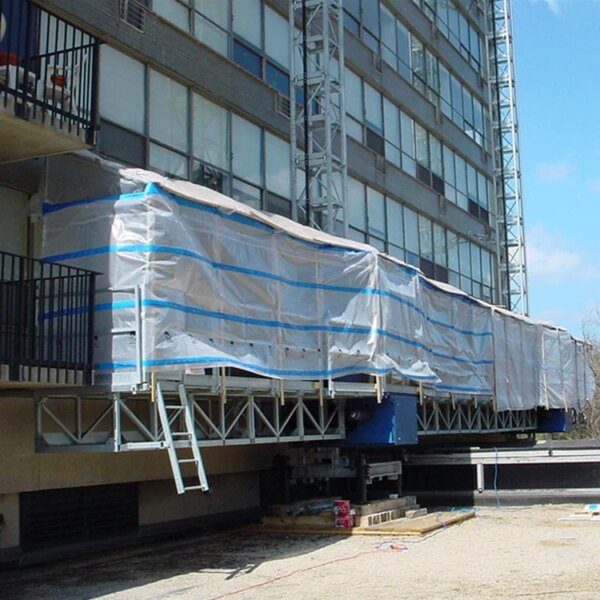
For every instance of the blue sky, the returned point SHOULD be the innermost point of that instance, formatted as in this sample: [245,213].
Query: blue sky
[557,50]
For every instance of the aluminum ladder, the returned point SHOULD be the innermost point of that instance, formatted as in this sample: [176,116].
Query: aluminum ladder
[178,440]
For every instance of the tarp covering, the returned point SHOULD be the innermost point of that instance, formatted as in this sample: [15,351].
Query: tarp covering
[224,285]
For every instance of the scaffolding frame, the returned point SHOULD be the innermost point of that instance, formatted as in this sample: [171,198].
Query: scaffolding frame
[443,418]
[317,122]
[507,170]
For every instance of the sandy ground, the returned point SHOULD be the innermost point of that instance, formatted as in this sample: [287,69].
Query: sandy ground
[502,553]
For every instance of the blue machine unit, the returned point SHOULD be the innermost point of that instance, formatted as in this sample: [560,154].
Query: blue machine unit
[554,420]
[391,423]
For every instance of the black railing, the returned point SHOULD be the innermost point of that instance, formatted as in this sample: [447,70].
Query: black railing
[46,321]
[48,68]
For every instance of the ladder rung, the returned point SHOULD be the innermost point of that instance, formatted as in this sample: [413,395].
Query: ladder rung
[194,487]
[181,433]
[172,406]
[186,460]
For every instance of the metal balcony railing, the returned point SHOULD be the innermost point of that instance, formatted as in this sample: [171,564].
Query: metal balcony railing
[48,69]
[46,321]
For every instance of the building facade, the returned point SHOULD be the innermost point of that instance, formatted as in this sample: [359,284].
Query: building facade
[200,90]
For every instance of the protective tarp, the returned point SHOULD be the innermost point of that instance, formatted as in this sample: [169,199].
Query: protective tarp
[221,284]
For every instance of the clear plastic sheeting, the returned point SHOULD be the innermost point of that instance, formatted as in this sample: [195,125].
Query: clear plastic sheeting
[220,284]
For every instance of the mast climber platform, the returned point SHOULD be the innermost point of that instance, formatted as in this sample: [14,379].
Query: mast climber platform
[201,294]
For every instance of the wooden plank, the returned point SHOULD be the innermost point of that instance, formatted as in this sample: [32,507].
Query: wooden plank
[422,525]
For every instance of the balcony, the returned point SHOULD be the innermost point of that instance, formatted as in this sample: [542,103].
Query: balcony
[48,71]
[46,325]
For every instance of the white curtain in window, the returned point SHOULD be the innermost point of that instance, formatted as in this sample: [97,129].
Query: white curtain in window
[168,111]
[123,104]
[210,132]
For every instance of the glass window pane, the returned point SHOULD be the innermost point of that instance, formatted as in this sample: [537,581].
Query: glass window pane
[278,79]
[356,204]
[395,223]
[216,10]
[403,39]
[210,132]
[130,73]
[465,257]
[373,108]
[476,262]
[439,245]
[370,16]
[247,150]
[422,148]
[392,131]
[277,45]
[210,34]
[247,58]
[247,21]
[248,194]
[354,95]
[166,161]
[376,212]
[425,237]
[392,122]
[435,149]
[452,240]
[173,11]
[449,175]
[388,29]
[482,190]
[471,183]
[277,157]
[168,111]
[486,271]
[411,230]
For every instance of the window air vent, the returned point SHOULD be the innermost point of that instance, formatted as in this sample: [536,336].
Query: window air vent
[379,163]
[133,12]
[283,105]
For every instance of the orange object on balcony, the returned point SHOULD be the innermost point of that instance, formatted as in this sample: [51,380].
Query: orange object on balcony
[9,58]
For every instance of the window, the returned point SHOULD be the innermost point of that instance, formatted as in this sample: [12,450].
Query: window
[211,24]
[210,132]
[277,38]
[277,158]
[174,11]
[168,111]
[168,162]
[247,20]
[376,212]
[356,205]
[391,117]
[131,76]
[395,223]
[246,150]
[247,58]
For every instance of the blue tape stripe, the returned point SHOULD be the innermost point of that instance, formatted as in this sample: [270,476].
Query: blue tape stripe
[221,360]
[258,273]
[292,327]
[462,388]
[48,208]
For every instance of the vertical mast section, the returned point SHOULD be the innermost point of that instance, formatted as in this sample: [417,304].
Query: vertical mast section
[319,169]
[507,169]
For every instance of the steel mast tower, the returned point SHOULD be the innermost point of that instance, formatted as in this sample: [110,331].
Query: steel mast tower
[317,116]
[507,175]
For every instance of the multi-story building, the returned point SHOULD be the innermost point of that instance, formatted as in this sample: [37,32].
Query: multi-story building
[200,90]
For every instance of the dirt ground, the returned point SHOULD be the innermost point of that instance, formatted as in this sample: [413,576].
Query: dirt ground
[502,553]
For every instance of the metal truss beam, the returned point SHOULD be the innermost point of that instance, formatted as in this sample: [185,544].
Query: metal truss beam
[317,122]
[442,418]
[507,175]
[119,422]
